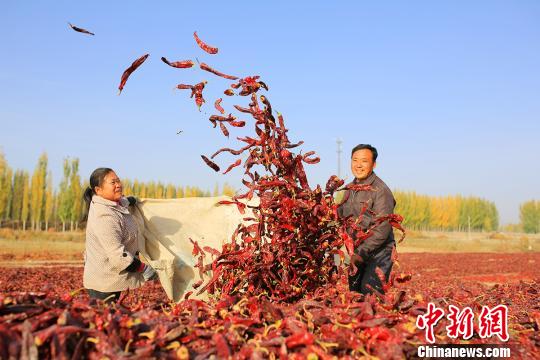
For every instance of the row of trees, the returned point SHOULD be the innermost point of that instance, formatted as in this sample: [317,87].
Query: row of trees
[29,201]
[529,215]
[449,213]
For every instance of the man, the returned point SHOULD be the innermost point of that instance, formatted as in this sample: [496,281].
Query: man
[375,251]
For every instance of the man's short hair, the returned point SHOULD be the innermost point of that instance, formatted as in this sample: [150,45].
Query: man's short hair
[368,147]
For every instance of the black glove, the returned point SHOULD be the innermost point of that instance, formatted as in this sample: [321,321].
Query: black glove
[132,200]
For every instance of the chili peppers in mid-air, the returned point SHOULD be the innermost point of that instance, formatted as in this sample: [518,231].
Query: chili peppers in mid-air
[196,90]
[81,30]
[210,163]
[205,67]
[287,249]
[184,64]
[130,70]
[217,105]
[209,49]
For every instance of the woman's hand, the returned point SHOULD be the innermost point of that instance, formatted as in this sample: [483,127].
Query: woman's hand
[148,273]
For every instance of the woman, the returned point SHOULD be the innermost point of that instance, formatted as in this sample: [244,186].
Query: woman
[111,262]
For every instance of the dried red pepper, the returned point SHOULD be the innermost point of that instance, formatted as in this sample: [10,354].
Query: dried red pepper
[217,105]
[232,166]
[210,163]
[209,49]
[205,67]
[130,70]
[224,129]
[184,64]
[81,30]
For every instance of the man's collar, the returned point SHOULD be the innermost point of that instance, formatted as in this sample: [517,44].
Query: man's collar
[367,181]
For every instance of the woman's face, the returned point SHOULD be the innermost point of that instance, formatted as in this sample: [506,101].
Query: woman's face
[111,188]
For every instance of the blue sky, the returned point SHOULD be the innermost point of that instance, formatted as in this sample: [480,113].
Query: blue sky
[449,92]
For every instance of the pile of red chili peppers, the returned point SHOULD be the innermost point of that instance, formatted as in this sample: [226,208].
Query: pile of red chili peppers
[286,245]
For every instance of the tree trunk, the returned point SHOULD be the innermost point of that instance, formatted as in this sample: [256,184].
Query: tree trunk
[24,225]
[63,226]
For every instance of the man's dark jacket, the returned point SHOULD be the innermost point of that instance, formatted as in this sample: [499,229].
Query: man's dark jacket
[381,202]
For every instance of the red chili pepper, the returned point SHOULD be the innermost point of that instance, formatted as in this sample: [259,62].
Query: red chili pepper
[223,349]
[205,67]
[222,118]
[184,64]
[241,206]
[235,164]
[243,109]
[229,92]
[210,163]
[81,30]
[237,123]
[223,129]
[309,160]
[211,250]
[204,46]
[300,339]
[196,248]
[218,107]
[232,151]
[197,91]
[130,70]
[184,87]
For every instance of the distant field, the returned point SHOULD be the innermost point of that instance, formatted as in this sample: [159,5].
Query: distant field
[430,241]
[30,246]
[44,247]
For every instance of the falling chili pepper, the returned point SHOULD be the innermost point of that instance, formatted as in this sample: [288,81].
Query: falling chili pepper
[81,30]
[210,163]
[240,123]
[232,166]
[130,70]
[184,64]
[229,92]
[204,46]
[196,90]
[224,129]
[217,105]
[205,67]
[184,87]
[228,118]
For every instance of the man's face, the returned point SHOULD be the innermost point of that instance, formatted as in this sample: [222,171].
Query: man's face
[362,163]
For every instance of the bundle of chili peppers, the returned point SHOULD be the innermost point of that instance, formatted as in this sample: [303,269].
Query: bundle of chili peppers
[285,248]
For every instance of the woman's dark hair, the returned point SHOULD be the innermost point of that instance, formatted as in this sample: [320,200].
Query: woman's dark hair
[96,179]
[368,147]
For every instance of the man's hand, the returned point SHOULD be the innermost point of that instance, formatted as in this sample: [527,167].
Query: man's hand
[132,200]
[356,259]
[149,273]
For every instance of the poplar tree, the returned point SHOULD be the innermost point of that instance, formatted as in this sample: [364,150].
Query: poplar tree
[65,198]
[529,215]
[17,196]
[170,192]
[25,208]
[5,187]
[37,195]
[49,201]
[76,195]
[180,192]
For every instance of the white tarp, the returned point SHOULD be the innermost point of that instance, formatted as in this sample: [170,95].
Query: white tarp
[167,225]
